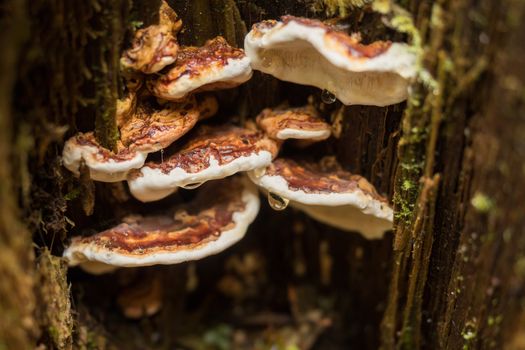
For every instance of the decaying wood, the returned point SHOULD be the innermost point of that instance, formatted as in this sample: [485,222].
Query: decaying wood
[451,159]
[18,328]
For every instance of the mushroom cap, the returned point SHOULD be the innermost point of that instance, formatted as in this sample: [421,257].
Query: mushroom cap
[103,164]
[142,299]
[216,219]
[302,123]
[211,153]
[309,52]
[328,194]
[143,129]
[155,46]
[150,129]
[214,66]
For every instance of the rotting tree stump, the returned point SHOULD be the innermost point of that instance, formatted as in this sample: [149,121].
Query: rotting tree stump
[450,159]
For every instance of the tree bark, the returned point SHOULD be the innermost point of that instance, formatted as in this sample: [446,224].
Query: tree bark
[450,159]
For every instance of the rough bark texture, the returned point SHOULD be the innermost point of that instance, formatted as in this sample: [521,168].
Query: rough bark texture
[18,328]
[451,160]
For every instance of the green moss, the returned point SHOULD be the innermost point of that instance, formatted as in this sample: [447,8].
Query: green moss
[382,6]
[108,81]
[74,193]
[482,203]
[341,7]
[404,208]
[408,185]
[55,305]
[406,338]
[494,320]
[134,25]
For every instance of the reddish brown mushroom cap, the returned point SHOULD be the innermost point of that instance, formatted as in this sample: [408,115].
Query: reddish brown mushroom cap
[103,164]
[154,47]
[217,218]
[294,123]
[214,66]
[145,127]
[150,127]
[329,194]
[211,153]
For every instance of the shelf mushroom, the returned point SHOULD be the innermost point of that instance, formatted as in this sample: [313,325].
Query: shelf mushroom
[150,129]
[211,153]
[217,218]
[143,130]
[103,165]
[155,46]
[302,123]
[310,52]
[328,194]
[214,66]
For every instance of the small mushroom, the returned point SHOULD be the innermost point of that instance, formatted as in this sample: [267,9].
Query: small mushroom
[150,128]
[143,298]
[328,194]
[154,47]
[216,219]
[143,129]
[211,153]
[214,66]
[310,52]
[302,123]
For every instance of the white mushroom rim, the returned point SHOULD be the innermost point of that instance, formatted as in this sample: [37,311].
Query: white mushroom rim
[153,184]
[91,255]
[234,72]
[311,53]
[358,199]
[101,167]
[353,210]
[314,135]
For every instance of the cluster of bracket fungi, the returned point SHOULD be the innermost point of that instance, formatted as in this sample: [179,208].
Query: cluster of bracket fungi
[164,106]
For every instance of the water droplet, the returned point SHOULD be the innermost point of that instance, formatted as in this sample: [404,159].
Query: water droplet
[327,97]
[192,186]
[277,202]
[259,172]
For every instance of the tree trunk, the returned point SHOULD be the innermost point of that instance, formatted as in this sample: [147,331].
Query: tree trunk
[450,159]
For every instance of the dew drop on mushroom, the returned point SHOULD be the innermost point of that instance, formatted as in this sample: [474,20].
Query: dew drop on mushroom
[327,97]
[277,202]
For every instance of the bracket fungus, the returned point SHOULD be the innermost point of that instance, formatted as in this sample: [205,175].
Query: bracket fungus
[143,129]
[211,153]
[310,52]
[142,299]
[103,165]
[328,194]
[302,123]
[214,66]
[155,46]
[216,219]
[150,129]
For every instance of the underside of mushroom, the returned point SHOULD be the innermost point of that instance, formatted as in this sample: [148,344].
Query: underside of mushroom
[310,52]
